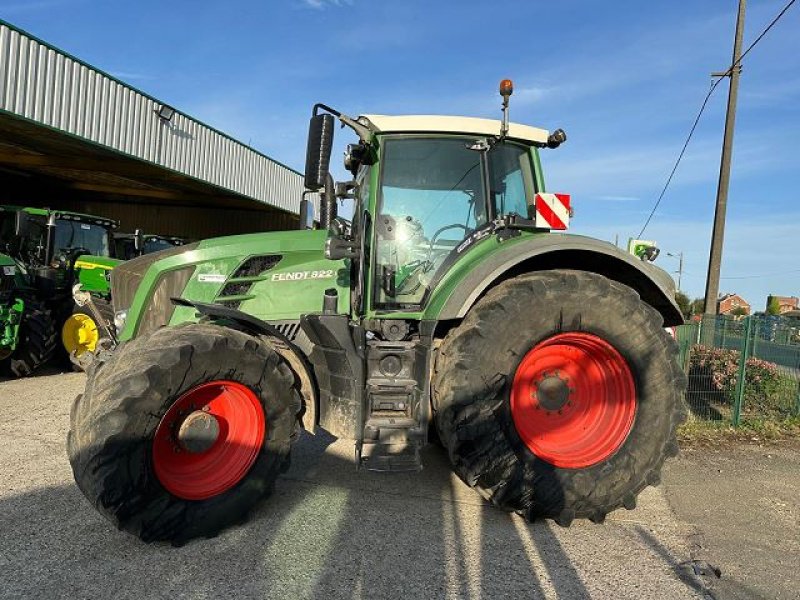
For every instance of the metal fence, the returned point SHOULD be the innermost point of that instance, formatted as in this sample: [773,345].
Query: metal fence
[741,369]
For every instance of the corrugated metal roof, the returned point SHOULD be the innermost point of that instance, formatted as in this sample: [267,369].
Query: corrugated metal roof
[43,84]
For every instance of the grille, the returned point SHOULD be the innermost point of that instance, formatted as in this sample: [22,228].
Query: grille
[160,308]
[252,267]
[256,265]
[125,279]
[288,328]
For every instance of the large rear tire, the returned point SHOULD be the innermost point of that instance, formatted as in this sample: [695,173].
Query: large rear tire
[127,443]
[558,396]
[37,341]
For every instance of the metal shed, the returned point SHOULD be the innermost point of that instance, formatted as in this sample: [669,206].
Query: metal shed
[76,138]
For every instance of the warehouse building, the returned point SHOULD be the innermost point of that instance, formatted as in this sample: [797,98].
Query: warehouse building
[75,138]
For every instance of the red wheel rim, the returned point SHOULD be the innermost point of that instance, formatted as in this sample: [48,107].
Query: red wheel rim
[204,474]
[573,400]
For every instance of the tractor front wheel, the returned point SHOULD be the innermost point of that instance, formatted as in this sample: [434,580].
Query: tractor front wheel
[184,431]
[558,396]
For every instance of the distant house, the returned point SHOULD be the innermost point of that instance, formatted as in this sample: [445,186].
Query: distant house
[732,304]
[785,303]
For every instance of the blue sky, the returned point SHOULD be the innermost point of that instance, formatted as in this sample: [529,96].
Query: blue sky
[623,78]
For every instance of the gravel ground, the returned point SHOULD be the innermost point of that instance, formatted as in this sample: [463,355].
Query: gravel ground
[744,500]
[328,532]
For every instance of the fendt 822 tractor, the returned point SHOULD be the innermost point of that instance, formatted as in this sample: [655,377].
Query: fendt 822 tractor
[27,329]
[60,249]
[451,302]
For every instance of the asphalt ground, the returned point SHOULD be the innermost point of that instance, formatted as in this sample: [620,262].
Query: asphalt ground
[329,531]
[744,500]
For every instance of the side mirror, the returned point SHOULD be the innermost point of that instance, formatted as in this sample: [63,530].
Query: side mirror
[306,213]
[138,241]
[22,224]
[318,151]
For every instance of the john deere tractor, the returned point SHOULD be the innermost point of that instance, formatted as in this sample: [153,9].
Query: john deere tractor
[60,249]
[27,329]
[451,301]
[131,245]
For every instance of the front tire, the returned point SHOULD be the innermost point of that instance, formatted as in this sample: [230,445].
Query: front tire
[558,396]
[127,443]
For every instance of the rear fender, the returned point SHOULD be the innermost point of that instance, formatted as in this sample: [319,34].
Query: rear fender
[552,251]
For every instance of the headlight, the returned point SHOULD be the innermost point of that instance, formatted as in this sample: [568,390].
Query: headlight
[119,320]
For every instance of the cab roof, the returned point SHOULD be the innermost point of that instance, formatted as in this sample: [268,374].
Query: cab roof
[450,124]
[66,214]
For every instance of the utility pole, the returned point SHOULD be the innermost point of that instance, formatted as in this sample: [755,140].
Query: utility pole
[718,234]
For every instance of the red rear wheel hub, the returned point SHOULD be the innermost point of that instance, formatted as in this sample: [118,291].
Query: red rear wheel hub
[573,400]
[233,420]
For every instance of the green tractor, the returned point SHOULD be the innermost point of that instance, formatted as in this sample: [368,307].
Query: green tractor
[450,304]
[59,250]
[131,245]
[27,329]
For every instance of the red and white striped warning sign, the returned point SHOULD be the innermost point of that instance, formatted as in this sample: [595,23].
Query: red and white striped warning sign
[552,211]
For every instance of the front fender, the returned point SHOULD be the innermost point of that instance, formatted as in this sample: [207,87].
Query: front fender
[488,266]
[295,358]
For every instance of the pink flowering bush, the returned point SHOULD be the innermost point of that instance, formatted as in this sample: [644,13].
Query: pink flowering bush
[714,372]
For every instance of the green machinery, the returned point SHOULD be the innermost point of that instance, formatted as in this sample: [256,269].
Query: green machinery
[60,249]
[27,332]
[452,302]
[131,245]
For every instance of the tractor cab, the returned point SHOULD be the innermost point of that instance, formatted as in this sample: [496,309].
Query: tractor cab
[60,246]
[427,189]
[131,245]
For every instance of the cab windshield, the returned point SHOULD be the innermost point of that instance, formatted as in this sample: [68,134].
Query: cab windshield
[434,193]
[73,235]
[156,244]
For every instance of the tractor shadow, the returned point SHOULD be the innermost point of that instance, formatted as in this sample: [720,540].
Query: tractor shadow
[327,531]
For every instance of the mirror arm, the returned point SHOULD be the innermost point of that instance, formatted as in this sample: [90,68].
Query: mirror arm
[362,130]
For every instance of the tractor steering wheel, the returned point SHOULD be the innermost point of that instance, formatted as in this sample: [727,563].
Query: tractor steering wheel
[441,230]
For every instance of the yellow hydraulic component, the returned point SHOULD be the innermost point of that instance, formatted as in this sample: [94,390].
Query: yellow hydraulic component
[80,334]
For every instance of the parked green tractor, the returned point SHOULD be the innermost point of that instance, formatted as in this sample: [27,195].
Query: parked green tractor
[27,330]
[450,300]
[131,245]
[60,249]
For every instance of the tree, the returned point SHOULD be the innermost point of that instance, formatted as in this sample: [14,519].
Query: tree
[698,306]
[773,306]
[739,311]
[684,303]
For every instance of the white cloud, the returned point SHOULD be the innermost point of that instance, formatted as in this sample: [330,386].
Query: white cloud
[322,4]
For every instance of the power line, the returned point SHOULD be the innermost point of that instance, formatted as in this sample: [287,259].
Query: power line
[703,107]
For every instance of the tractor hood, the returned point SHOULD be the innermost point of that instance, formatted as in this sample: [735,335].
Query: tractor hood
[93,272]
[274,276]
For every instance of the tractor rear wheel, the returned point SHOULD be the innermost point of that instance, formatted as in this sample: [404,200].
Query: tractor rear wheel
[37,341]
[184,431]
[558,396]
